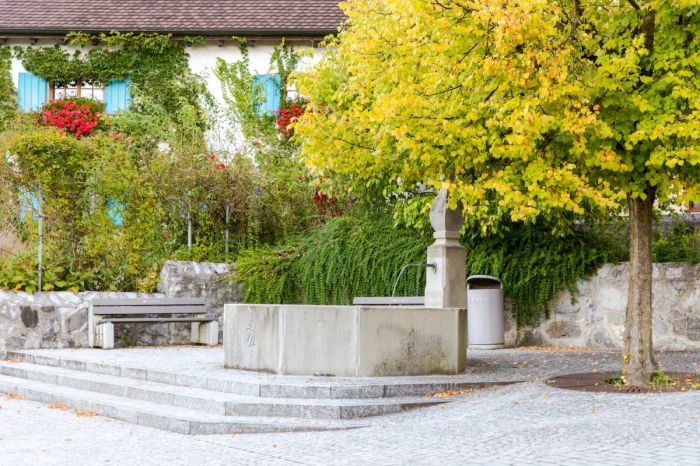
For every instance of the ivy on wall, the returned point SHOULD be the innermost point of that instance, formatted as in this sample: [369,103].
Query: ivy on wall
[8,100]
[156,64]
[363,255]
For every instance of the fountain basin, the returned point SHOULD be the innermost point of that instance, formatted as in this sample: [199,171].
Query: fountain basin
[348,341]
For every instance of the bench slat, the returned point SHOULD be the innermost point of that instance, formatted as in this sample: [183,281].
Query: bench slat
[155,319]
[148,302]
[388,301]
[107,310]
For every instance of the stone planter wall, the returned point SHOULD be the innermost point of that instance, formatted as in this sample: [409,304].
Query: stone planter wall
[596,317]
[59,319]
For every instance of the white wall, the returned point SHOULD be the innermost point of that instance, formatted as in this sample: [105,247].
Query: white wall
[223,137]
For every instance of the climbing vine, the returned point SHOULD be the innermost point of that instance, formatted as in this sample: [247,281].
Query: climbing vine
[363,255]
[8,101]
[156,64]
[352,255]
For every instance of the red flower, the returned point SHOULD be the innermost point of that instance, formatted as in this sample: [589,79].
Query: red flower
[78,117]
[221,166]
[287,116]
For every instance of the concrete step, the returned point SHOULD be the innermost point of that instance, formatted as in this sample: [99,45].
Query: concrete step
[174,419]
[261,385]
[211,401]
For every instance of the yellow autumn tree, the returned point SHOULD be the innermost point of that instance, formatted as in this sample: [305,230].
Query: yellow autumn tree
[522,110]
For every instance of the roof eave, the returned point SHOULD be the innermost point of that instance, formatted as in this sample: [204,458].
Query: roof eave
[28,33]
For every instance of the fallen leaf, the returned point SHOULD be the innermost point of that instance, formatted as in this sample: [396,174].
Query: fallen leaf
[59,406]
[85,413]
[449,393]
[13,396]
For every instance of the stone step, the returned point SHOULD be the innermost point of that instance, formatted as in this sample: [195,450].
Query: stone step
[174,419]
[263,385]
[211,401]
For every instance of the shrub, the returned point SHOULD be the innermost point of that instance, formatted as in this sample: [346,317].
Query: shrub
[362,256]
[680,244]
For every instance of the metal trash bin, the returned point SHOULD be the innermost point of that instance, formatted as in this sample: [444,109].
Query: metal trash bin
[485,318]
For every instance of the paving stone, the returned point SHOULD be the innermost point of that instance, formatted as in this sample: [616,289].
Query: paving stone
[526,424]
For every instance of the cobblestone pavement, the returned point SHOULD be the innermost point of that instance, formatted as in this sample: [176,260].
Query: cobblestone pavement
[483,366]
[527,423]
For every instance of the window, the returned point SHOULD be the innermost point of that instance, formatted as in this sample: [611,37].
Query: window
[33,92]
[86,88]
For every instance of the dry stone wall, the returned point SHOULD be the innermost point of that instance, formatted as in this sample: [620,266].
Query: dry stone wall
[59,319]
[595,316]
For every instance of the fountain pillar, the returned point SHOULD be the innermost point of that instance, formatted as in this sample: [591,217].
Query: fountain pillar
[445,285]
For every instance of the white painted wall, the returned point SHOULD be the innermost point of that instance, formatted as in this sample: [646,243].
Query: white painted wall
[223,137]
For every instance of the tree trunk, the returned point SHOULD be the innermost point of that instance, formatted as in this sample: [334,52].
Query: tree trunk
[638,360]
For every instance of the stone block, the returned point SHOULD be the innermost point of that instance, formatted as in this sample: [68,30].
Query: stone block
[345,340]
[29,316]
[693,329]
[411,341]
[563,329]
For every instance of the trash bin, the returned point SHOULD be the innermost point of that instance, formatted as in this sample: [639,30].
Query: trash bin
[485,319]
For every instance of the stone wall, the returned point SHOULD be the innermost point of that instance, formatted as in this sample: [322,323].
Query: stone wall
[596,316]
[200,280]
[59,319]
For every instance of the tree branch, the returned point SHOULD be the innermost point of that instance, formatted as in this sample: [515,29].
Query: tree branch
[634,4]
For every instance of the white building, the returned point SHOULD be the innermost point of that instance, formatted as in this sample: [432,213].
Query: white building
[302,23]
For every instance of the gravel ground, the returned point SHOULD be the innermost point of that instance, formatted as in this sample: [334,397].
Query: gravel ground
[527,423]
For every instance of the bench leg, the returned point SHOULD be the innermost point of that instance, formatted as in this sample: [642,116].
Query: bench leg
[194,336]
[92,330]
[108,335]
[206,333]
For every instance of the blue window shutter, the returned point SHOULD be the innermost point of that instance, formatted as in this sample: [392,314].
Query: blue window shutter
[115,211]
[117,96]
[31,91]
[271,90]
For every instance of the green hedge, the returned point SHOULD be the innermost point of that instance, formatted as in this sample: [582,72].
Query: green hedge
[362,256]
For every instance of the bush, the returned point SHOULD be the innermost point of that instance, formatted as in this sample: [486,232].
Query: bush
[362,256]
[352,255]
[680,244]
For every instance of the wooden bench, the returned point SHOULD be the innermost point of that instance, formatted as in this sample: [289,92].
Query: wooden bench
[105,313]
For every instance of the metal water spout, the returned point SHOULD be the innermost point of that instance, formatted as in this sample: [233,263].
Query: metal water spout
[403,269]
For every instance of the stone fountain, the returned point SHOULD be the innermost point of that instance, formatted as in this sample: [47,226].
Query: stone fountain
[363,340]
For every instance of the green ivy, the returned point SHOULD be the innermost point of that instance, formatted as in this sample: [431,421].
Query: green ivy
[8,100]
[157,65]
[362,256]
[535,265]
[681,243]
[346,257]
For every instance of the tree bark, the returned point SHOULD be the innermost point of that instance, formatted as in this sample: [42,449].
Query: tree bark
[638,359]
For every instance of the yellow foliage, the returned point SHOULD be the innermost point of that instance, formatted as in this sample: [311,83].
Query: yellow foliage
[520,109]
